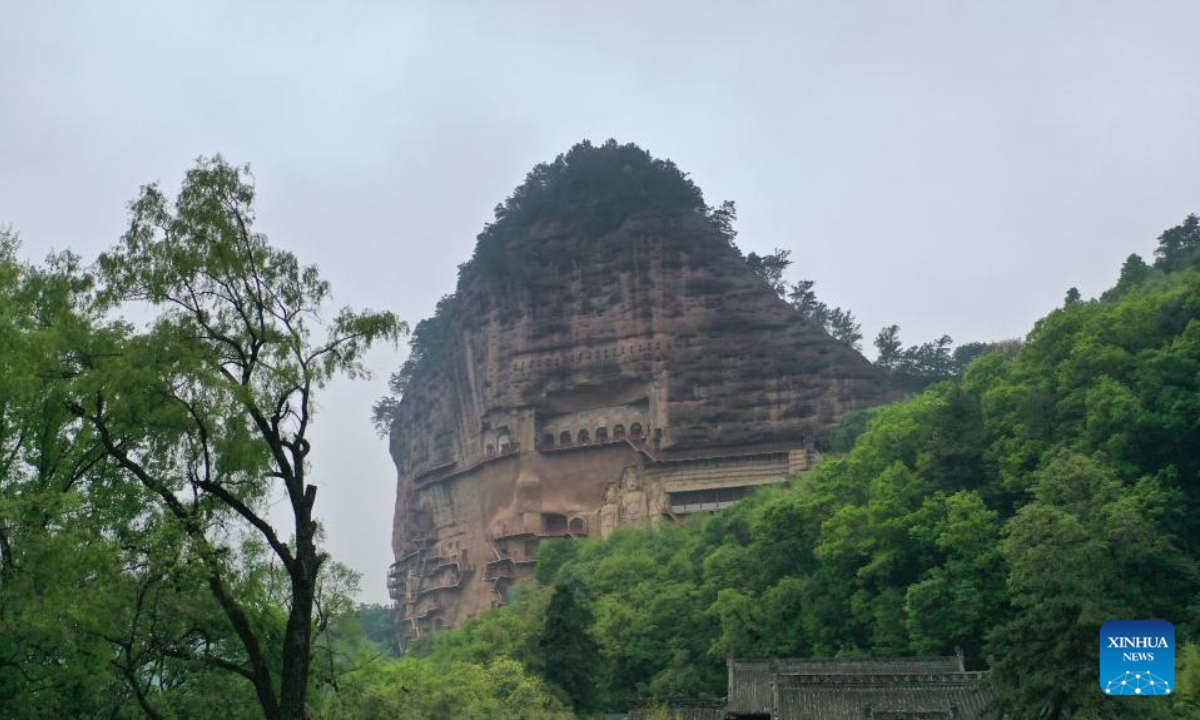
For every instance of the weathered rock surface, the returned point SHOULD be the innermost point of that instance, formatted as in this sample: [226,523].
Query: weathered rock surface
[615,379]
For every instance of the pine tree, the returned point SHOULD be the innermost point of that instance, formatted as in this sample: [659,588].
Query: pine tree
[887,342]
[1133,273]
[770,268]
[569,651]
[1178,247]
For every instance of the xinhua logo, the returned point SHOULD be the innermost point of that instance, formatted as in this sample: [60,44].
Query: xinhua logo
[1137,657]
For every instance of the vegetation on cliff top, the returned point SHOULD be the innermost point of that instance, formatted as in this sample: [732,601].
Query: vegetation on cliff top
[1008,514]
[591,190]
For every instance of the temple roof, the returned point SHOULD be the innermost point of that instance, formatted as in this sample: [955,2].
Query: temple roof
[892,697]
[929,688]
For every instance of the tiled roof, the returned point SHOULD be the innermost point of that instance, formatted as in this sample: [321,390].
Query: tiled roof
[872,666]
[930,688]
[935,697]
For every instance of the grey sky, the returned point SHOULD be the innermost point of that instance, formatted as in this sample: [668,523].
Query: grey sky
[950,167]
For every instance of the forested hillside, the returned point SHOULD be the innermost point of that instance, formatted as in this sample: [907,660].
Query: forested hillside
[1008,514]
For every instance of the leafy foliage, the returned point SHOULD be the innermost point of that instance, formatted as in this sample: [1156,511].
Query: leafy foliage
[512,631]
[770,268]
[416,690]
[1080,554]
[378,625]
[839,323]
[1179,247]
[568,650]
[918,366]
[591,188]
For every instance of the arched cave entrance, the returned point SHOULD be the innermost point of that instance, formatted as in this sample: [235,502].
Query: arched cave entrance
[554,524]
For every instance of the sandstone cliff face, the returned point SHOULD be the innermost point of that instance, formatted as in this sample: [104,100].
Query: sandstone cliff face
[618,379]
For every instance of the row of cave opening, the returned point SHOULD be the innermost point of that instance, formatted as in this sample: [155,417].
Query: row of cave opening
[585,438]
[555,524]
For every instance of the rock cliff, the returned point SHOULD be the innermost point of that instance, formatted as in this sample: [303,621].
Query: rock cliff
[608,358]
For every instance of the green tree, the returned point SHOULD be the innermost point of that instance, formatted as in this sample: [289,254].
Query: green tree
[1187,683]
[839,323]
[724,219]
[209,408]
[59,569]
[1179,247]
[933,359]
[770,268]
[956,602]
[379,625]
[803,298]
[1134,272]
[917,366]
[1086,550]
[512,632]
[842,325]
[889,346]
[569,652]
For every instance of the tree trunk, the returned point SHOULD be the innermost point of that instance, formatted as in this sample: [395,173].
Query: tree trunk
[297,638]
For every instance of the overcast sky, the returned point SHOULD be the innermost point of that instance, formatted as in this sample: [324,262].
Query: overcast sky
[949,167]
